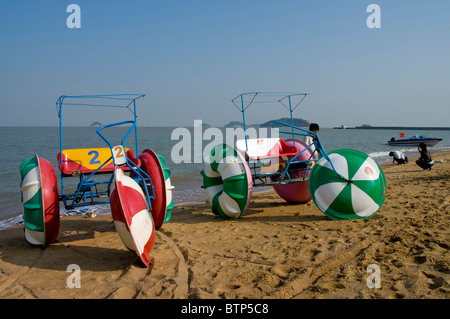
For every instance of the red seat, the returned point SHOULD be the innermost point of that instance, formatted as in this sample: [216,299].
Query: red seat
[266,148]
[286,150]
[88,160]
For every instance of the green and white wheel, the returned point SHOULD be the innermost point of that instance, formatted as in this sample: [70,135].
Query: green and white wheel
[155,166]
[169,202]
[227,182]
[40,198]
[359,194]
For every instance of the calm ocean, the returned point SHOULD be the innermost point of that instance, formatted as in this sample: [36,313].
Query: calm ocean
[20,143]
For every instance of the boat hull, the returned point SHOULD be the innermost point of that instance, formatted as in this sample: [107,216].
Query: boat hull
[415,142]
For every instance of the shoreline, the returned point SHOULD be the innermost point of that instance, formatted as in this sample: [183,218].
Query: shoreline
[12,221]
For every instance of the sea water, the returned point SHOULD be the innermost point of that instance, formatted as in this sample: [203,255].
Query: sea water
[20,143]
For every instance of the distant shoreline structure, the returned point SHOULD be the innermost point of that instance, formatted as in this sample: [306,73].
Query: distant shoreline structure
[403,128]
[96,124]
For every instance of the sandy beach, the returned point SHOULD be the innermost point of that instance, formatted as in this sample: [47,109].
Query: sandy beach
[276,250]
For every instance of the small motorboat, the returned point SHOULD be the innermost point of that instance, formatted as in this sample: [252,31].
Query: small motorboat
[414,140]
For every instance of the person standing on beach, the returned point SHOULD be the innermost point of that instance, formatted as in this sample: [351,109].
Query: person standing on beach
[313,127]
[425,161]
[399,157]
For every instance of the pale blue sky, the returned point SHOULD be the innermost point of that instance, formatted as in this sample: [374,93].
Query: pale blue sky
[191,58]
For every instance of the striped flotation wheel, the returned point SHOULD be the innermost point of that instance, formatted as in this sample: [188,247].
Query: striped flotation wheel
[132,219]
[40,200]
[155,166]
[227,181]
[359,197]
[297,192]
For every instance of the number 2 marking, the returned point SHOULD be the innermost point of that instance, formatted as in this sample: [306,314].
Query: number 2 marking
[94,158]
[119,155]
[119,151]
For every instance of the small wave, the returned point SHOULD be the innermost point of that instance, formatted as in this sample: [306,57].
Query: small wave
[378,154]
[441,148]
[11,222]
[99,209]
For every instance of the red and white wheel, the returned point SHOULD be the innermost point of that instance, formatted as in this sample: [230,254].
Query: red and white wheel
[132,219]
[40,200]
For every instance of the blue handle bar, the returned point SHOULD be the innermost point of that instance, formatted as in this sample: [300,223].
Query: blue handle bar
[116,124]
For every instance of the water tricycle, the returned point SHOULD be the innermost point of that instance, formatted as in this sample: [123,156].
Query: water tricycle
[138,189]
[344,183]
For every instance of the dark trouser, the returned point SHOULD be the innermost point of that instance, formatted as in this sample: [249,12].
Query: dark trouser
[401,161]
[423,164]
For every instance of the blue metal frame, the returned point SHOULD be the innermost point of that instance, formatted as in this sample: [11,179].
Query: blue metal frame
[286,99]
[85,195]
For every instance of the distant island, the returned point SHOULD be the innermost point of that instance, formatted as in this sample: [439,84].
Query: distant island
[96,123]
[296,121]
[234,124]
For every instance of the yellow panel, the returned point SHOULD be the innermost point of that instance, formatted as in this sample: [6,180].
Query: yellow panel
[91,158]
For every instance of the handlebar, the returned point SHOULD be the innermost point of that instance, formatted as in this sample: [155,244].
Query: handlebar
[116,124]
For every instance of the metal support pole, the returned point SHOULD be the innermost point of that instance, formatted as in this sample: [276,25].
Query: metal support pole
[243,116]
[135,129]
[292,120]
